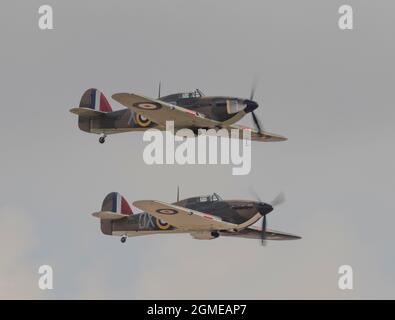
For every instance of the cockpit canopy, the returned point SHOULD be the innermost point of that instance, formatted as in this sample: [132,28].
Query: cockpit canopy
[194,94]
[207,198]
[184,95]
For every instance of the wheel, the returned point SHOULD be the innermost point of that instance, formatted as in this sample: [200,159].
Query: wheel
[123,239]
[102,140]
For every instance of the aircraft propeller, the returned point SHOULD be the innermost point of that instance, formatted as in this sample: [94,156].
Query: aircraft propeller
[265,208]
[257,123]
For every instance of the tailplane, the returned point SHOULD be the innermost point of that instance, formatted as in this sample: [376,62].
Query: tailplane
[93,104]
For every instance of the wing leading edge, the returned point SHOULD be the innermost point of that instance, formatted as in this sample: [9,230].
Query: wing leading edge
[256,233]
[160,112]
[183,218]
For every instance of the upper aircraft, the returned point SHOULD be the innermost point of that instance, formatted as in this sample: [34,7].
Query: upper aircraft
[203,217]
[192,110]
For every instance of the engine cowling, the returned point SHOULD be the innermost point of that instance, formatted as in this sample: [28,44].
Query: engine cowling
[205,235]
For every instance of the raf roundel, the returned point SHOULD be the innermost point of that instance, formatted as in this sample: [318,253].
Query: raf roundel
[167,211]
[147,105]
[163,225]
[142,121]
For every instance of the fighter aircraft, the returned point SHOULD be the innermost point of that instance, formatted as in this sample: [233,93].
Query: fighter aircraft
[203,217]
[190,110]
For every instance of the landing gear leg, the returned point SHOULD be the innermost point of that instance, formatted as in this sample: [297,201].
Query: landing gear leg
[123,239]
[102,139]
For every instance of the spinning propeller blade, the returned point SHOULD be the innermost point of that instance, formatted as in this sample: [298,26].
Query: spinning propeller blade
[253,87]
[263,234]
[257,123]
[265,208]
[279,199]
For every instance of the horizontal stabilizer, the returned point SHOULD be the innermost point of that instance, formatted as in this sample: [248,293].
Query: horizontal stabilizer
[86,112]
[108,215]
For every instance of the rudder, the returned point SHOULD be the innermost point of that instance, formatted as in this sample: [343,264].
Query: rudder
[116,203]
[95,100]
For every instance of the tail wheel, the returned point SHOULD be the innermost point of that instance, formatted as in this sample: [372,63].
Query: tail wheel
[102,139]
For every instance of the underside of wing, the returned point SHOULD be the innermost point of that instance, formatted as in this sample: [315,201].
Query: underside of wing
[256,233]
[255,135]
[119,130]
[160,112]
[183,218]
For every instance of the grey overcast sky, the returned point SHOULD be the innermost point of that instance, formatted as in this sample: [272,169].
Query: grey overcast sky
[331,92]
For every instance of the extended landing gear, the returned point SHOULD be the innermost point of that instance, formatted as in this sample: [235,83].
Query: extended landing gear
[123,239]
[102,139]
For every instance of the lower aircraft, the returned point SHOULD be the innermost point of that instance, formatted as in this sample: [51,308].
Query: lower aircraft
[203,217]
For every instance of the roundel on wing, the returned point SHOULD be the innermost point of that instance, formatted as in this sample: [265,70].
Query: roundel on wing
[147,105]
[142,121]
[166,211]
[163,225]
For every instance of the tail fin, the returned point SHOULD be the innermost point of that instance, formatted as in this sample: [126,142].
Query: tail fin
[114,207]
[115,202]
[95,100]
[93,104]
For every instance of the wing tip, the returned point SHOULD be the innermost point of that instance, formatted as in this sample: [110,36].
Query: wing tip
[140,203]
[118,96]
[271,137]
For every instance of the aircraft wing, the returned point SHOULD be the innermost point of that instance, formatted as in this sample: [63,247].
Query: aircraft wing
[160,112]
[183,218]
[254,232]
[255,135]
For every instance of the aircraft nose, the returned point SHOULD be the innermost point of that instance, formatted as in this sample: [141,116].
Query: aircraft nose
[264,208]
[250,105]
